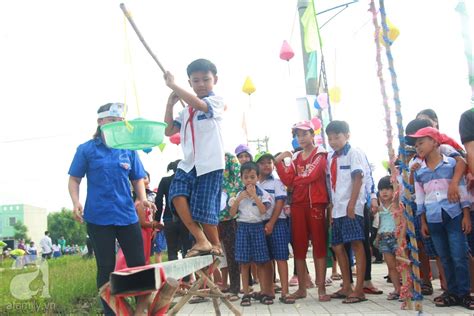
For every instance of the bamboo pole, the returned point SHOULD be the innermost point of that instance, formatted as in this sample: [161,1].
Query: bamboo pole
[390,150]
[139,34]
[417,297]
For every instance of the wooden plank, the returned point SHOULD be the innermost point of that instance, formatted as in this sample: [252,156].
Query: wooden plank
[164,297]
[185,298]
[147,278]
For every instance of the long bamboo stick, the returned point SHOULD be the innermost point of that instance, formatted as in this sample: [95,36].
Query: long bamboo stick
[139,34]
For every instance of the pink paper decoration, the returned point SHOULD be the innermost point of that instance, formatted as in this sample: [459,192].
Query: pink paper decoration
[323,100]
[175,139]
[318,139]
[286,52]
[316,123]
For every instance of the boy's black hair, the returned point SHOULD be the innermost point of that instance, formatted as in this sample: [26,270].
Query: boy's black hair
[337,127]
[203,65]
[147,175]
[385,183]
[431,114]
[413,127]
[173,165]
[247,166]
[417,124]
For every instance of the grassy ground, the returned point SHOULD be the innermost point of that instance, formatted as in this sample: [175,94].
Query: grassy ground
[72,288]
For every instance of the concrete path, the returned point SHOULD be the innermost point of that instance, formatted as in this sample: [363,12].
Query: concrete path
[376,304]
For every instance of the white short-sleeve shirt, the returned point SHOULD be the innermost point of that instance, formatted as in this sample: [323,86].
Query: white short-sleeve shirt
[207,154]
[277,191]
[350,161]
[248,211]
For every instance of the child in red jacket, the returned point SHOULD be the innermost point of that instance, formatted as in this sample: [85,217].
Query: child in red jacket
[307,175]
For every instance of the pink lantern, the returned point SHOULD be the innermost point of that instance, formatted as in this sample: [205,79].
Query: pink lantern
[323,100]
[175,139]
[316,123]
[286,52]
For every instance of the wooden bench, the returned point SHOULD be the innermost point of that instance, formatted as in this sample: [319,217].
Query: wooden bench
[160,280]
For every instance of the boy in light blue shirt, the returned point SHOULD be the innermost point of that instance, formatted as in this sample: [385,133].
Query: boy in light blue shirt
[446,222]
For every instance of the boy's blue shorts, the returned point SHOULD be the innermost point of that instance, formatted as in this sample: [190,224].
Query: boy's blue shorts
[203,193]
[345,229]
[279,240]
[159,243]
[250,243]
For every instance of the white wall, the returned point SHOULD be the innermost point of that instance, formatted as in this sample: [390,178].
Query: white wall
[36,219]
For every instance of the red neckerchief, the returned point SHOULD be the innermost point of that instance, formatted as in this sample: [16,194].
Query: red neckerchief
[334,171]
[191,111]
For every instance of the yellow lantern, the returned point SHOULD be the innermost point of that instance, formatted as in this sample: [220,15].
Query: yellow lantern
[393,33]
[335,94]
[248,86]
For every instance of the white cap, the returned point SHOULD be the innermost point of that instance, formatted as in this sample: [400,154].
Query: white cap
[115,110]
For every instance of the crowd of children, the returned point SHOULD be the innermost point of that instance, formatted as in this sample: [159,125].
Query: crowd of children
[332,198]
[329,193]
[252,210]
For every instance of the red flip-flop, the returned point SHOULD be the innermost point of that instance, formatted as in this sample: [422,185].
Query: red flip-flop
[372,290]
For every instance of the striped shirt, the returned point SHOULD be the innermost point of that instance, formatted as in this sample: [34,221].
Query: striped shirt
[431,189]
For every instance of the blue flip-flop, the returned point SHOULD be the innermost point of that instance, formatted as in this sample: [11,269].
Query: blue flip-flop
[353,300]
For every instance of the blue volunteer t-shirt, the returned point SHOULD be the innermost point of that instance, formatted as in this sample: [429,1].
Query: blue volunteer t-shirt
[108,171]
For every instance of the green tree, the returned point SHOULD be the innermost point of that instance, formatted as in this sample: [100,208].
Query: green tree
[62,223]
[21,231]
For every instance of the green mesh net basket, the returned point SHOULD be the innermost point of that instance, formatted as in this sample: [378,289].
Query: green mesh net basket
[134,134]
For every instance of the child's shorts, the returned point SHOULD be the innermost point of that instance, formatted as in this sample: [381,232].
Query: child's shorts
[278,240]
[203,193]
[250,243]
[387,243]
[159,244]
[345,229]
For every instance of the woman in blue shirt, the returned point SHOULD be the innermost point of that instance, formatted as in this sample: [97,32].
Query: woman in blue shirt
[109,211]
